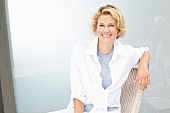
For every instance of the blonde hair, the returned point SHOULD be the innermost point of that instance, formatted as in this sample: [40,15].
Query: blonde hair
[115,13]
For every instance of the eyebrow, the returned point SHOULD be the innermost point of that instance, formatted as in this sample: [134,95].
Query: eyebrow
[112,23]
[109,23]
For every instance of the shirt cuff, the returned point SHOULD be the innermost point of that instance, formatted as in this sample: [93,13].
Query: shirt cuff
[82,98]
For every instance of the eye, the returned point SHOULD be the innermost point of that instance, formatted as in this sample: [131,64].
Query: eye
[111,25]
[101,25]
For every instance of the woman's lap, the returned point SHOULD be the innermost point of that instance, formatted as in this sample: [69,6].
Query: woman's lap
[72,111]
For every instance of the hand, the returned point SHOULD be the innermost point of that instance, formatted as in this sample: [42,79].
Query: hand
[143,76]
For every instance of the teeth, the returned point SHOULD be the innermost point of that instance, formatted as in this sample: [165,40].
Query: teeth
[106,35]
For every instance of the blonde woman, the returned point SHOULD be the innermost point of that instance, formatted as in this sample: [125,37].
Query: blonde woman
[99,68]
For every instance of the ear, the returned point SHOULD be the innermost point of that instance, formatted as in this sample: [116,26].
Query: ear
[118,31]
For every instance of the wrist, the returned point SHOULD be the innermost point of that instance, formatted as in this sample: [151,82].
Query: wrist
[143,64]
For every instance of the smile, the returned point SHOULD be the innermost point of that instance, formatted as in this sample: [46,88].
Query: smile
[106,35]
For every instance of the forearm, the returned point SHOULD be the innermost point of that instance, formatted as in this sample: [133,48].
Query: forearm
[78,106]
[143,76]
[144,60]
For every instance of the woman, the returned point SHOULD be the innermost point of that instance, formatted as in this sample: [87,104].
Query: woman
[99,68]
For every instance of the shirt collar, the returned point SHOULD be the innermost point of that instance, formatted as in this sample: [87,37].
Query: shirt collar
[92,49]
[118,49]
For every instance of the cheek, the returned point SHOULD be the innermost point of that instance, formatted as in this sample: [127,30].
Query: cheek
[115,31]
[118,30]
[98,31]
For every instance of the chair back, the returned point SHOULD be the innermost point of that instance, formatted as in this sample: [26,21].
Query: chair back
[131,95]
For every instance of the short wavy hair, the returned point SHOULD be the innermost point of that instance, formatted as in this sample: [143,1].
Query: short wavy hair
[115,13]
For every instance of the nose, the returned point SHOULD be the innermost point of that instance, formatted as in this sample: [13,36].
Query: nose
[106,29]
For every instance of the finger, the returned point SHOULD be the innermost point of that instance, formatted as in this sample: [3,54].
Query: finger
[149,81]
[142,88]
[146,82]
[135,81]
[143,83]
[140,83]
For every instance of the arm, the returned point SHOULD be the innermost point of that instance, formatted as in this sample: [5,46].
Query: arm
[78,106]
[77,90]
[143,77]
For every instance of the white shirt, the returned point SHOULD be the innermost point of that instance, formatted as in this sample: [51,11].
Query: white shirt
[86,82]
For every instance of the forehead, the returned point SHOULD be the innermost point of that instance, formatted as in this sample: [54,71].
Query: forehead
[106,19]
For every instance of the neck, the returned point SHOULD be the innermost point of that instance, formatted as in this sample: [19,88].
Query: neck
[105,48]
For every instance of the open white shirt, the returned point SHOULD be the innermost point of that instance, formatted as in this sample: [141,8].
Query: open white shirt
[86,82]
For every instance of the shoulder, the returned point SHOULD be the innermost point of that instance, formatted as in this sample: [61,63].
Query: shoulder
[124,48]
[131,51]
[124,45]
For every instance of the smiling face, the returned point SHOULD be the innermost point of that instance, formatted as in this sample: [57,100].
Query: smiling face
[107,29]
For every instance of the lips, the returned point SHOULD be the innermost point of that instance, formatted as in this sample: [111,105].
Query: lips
[106,35]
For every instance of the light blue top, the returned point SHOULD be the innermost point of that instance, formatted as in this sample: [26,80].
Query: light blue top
[105,71]
[106,77]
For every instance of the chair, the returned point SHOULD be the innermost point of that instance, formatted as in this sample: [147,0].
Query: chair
[131,96]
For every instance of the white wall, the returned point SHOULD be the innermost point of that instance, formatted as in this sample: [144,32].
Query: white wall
[44,31]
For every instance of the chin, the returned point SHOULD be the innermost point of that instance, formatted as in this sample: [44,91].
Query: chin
[106,40]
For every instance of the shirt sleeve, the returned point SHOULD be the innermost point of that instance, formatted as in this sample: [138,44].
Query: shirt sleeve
[77,90]
[136,54]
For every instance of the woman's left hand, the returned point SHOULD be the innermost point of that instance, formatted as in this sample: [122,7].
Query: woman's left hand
[143,76]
